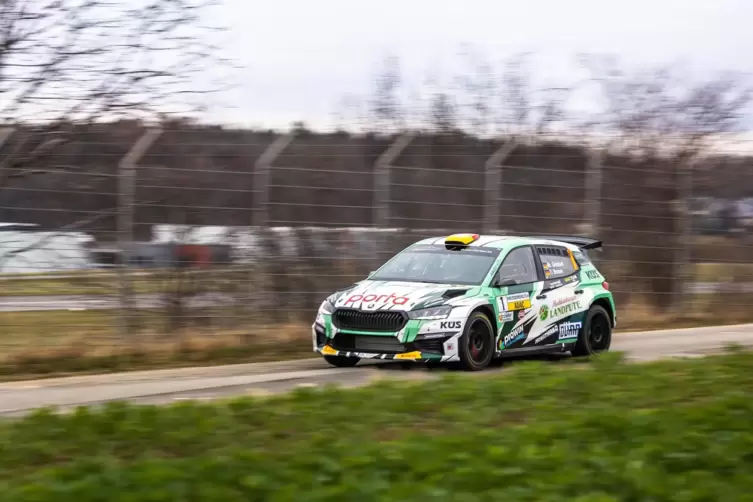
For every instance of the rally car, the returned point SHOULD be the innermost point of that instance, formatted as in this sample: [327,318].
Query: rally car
[467,299]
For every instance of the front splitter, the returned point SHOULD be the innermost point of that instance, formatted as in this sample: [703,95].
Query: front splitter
[405,356]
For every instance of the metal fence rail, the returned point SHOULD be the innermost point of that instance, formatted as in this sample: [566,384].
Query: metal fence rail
[273,223]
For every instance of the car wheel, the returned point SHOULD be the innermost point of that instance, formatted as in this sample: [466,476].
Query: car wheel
[596,335]
[476,347]
[342,361]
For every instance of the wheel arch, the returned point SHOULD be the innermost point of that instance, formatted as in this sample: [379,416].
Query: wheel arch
[606,305]
[487,309]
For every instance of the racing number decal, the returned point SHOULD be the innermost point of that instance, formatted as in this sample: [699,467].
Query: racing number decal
[519,301]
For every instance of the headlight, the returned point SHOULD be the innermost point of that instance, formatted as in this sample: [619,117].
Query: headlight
[326,307]
[431,313]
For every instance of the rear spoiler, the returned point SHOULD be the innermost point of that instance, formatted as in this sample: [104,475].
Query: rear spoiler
[581,242]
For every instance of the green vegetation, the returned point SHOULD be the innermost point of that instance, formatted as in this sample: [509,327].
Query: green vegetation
[55,343]
[604,431]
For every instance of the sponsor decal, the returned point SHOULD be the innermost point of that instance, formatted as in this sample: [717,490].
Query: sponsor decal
[566,309]
[391,298]
[544,312]
[592,274]
[512,337]
[568,330]
[450,324]
[519,305]
[546,334]
[519,301]
[569,278]
[505,316]
[328,351]
[554,284]
[562,301]
[409,355]
[432,336]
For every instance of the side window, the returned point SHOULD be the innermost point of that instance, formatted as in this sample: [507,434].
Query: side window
[518,266]
[556,262]
[582,257]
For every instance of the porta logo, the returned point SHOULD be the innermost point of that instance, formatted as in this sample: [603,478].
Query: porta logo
[544,312]
[391,298]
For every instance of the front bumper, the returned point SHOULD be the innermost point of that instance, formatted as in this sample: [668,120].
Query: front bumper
[410,344]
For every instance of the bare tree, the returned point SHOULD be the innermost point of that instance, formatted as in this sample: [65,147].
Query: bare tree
[480,90]
[66,65]
[663,111]
[526,108]
[386,106]
[666,121]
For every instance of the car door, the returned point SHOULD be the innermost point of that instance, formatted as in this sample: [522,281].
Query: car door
[562,302]
[516,286]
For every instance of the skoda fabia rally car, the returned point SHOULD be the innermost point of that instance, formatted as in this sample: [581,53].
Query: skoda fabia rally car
[467,299]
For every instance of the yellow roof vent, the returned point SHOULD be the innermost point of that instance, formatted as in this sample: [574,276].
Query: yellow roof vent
[459,241]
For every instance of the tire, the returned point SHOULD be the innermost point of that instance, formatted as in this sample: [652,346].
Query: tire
[476,345]
[596,335]
[342,361]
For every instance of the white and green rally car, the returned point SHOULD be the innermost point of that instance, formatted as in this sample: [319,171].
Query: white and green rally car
[468,298]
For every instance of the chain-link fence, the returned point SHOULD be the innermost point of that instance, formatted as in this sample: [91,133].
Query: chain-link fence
[125,236]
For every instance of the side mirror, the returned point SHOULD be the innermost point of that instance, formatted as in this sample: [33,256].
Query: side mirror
[505,283]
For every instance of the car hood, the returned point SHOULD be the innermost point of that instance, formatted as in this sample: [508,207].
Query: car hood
[402,296]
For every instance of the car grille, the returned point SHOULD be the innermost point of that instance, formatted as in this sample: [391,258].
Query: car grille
[369,321]
[368,343]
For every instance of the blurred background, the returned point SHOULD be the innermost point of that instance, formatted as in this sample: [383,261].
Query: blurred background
[181,173]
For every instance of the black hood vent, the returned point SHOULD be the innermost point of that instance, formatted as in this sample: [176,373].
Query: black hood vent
[454,293]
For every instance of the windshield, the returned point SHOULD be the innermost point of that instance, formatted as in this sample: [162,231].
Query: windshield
[435,264]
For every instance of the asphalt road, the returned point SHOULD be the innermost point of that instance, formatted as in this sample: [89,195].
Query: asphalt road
[147,301]
[165,386]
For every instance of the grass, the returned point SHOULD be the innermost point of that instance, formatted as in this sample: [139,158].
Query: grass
[57,343]
[673,430]
[47,344]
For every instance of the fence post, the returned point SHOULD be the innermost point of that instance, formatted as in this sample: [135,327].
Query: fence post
[492,181]
[5,134]
[683,254]
[263,168]
[126,209]
[262,179]
[593,185]
[382,171]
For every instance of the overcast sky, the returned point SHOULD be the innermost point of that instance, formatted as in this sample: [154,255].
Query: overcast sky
[299,58]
